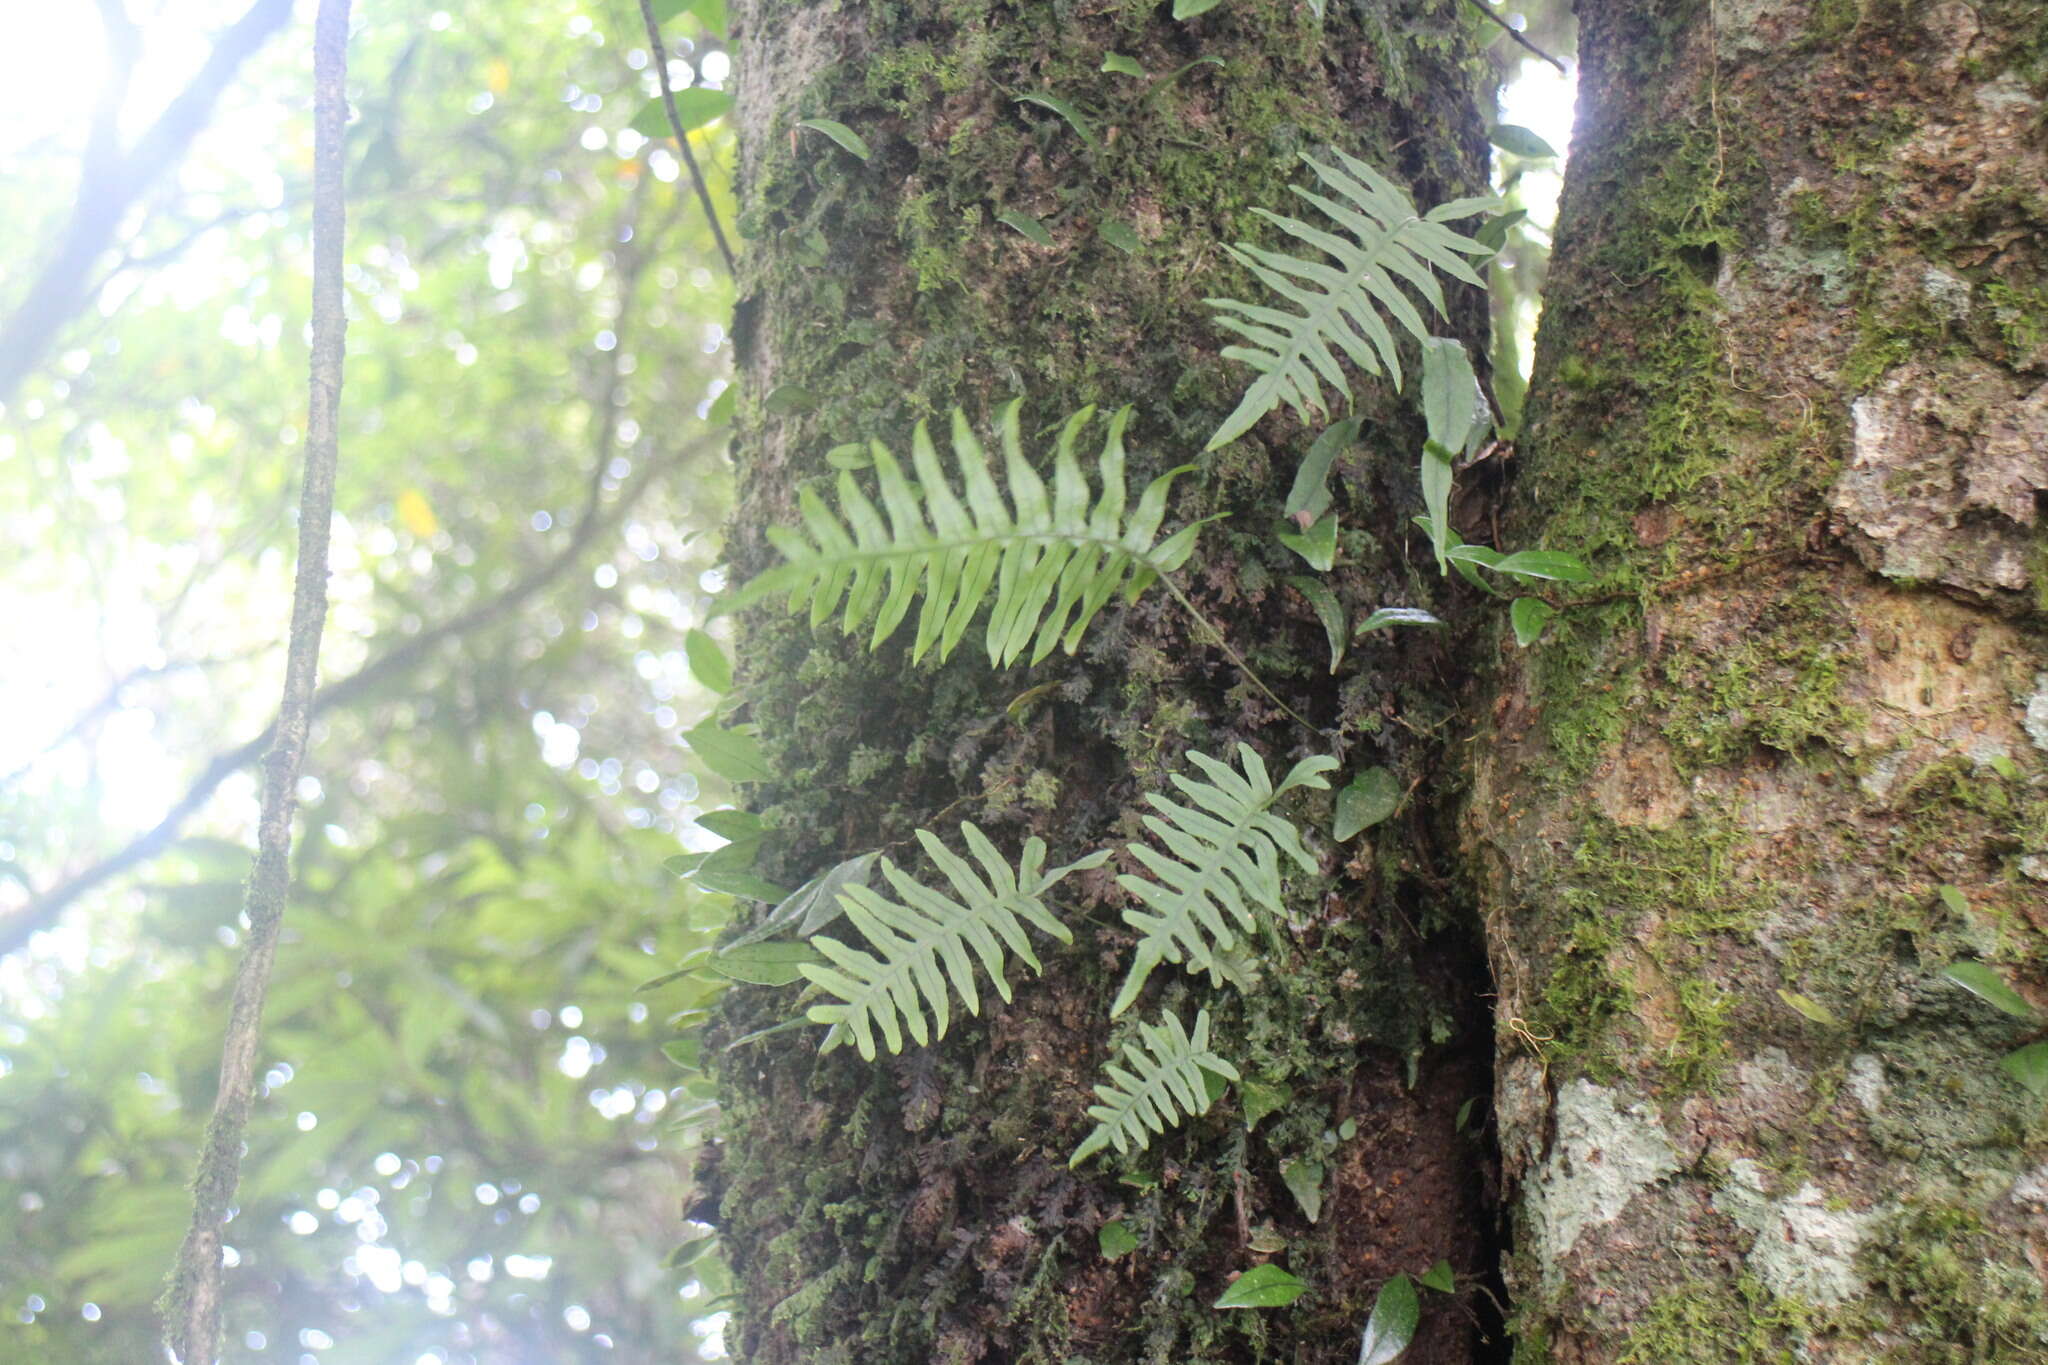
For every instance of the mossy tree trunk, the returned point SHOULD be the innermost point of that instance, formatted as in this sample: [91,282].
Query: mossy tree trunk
[921,1208]
[1790,761]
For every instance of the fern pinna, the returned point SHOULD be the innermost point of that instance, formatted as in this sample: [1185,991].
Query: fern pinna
[1220,852]
[1162,1080]
[1046,565]
[1339,303]
[922,941]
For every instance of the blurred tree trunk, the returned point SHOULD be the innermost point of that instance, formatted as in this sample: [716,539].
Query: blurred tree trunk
[921,1209]
[1739,813]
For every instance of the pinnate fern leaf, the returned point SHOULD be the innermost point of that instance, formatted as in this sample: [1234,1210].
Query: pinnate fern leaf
[922,943]
[1219,852]
[1044,561]
[1341,304]
[1161,1082]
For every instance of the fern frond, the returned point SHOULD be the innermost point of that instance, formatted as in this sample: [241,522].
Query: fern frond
[1162,1082]
[923,941]
[1046,565]
[1338,305]
[1220,853]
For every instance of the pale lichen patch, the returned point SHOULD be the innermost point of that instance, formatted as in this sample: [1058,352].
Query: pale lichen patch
[2036,721]
[1866,1082]
[1941,482]
[1604,1154]
[1804,1249]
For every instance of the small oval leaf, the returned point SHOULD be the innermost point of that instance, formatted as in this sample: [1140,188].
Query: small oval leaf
[1395,1316]
[1263,1286]
[1513,138]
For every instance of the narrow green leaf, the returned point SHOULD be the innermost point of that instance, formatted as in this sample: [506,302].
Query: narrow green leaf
[1986,984]
[1494,231]
[1453,408]
[1954,899]
[1263,1286]
[1188,9]
[1465,1113]
[720,412]
[1065,111]
[695,107]
[1317,545]
[1328,610]
[2029,1066]
[1395,616]
[1512,137]
[1309,497]
[1115,1240]
[684,1052]
[1811,1008]
[1440,1278]
[839,133]
[766,964]
[707,661]
[732,754]
[1371,797]
[1528,616]
[1118,62]
[813,905]
[1395,1316]
[1437,479]
[1550,564]
[1304,1179]
[727,881]
[1025,224]
[1120,235]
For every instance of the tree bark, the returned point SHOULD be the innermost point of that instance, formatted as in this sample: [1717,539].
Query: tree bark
[921,1208]
[1790,759]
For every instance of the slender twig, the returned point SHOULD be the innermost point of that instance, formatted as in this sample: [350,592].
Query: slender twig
[1516,34]
[675,123]
[192,1305]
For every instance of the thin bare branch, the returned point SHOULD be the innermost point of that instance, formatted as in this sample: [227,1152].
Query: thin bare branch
[675,123]
[192,1306]
[1516,34]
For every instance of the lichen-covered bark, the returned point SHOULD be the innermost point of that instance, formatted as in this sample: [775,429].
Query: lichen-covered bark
[1787,761]
[921,1209]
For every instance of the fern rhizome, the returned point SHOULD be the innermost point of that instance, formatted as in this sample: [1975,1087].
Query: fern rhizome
[1042,563]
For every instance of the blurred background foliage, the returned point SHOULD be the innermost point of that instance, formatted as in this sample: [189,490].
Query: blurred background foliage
[466,1148]
[474,1140]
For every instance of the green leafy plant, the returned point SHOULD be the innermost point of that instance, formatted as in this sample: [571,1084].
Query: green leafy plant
[1221,853]
[1165,1076]
[923,941]
[1045,566]
[1385,249]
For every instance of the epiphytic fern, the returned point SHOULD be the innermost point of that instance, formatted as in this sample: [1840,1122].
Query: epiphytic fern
[1046,566]
[1163,1082]
[1384,243]
[922,941]
[1221,853]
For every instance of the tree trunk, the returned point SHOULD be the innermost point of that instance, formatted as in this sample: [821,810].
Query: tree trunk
[1790,761]
[921,1208]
